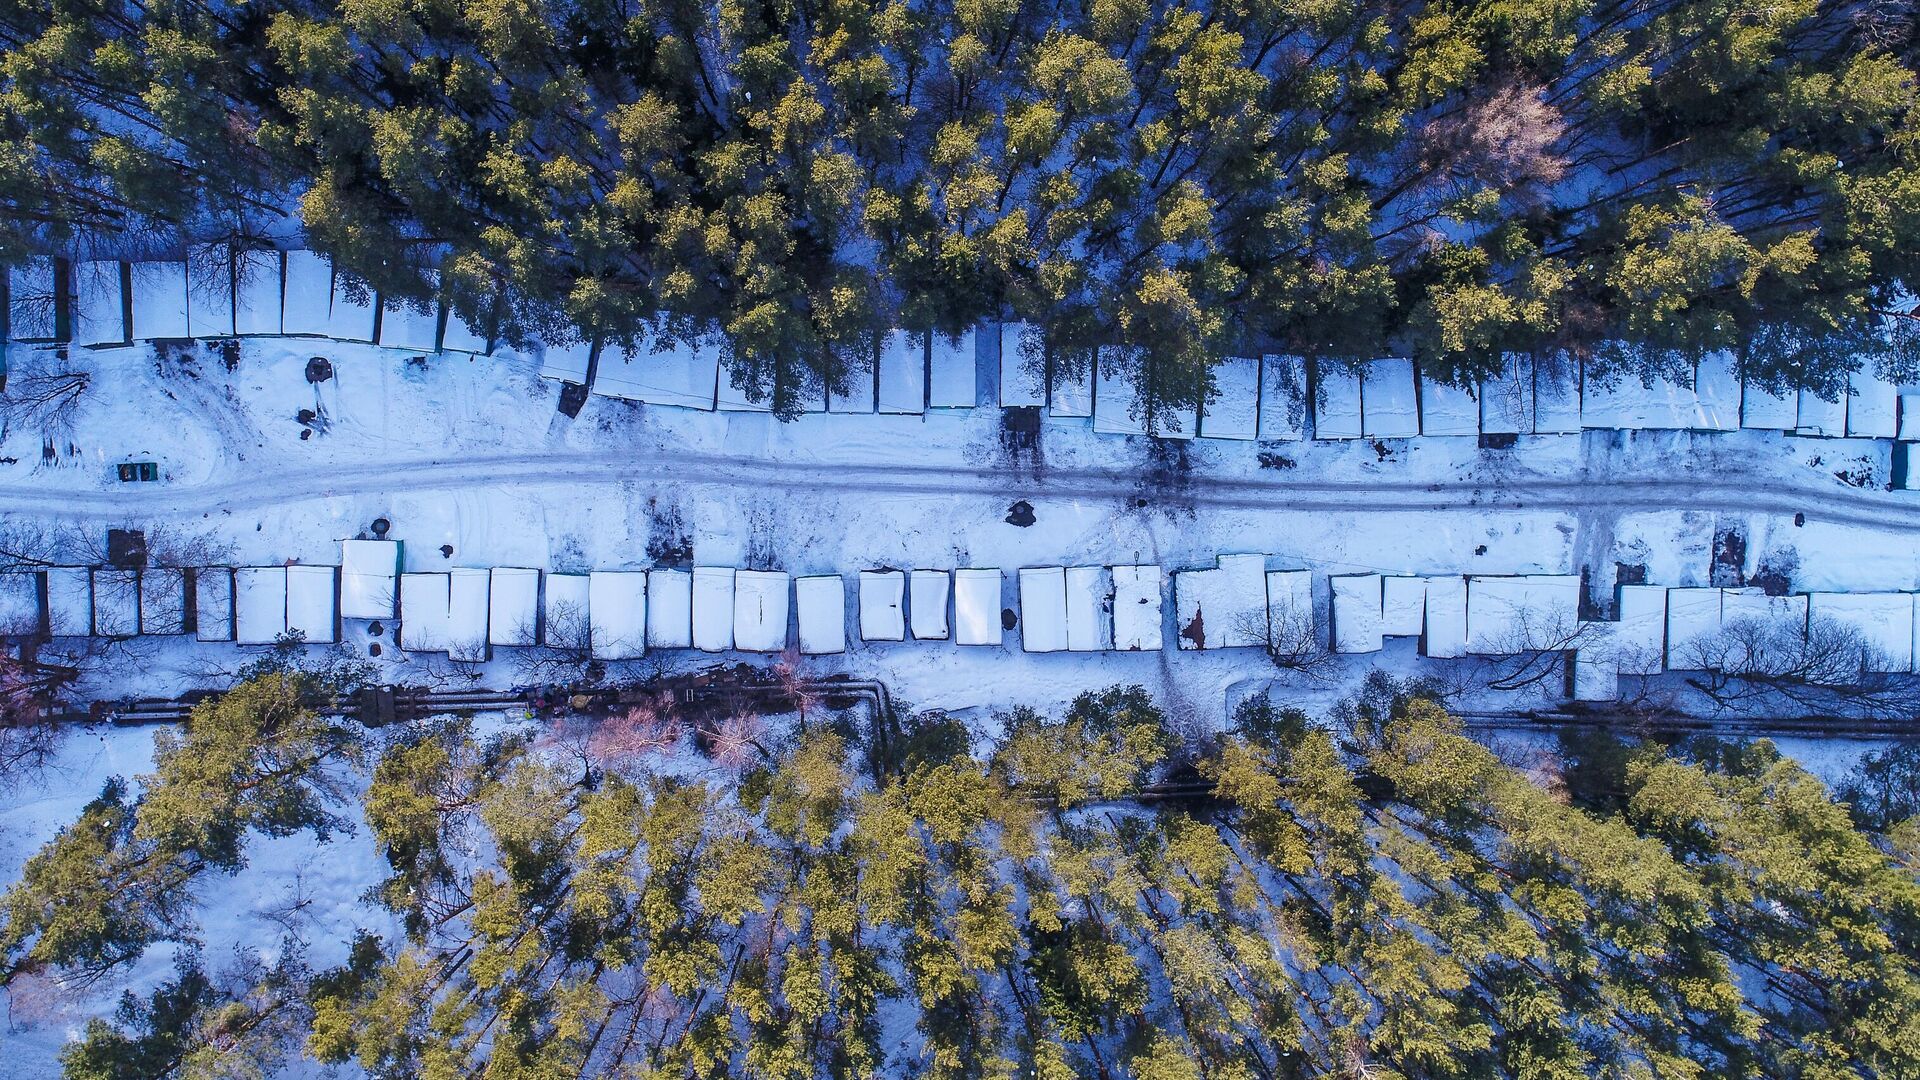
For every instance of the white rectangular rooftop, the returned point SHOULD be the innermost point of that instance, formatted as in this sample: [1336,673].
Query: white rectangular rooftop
[1043,609]
[369,578]
[163,600]
[1389,404]
[1222,608]
[1521,613]
[1234,411]
[513,606]
[976,607]
[257,292]
[159,300]
[312,610]
[882,614]
[1336,405]
[1137,608]
[903,375]
[617,607]
[1089,608]
[670,609]
[1290,622]
[1884,622]
[213,603]
[99,309]
[1403,606]
[467,591]
[424,606]
[1640,636]
[761,605]
[31,296]
[1506,401]
[820,607]
[69,601]
[1023,365]
[1447,410]
[928,597]
[1356,612]
[951,380]
[712,608]
[1693,619]
[566,610]
[1444,633]
[19,603]
[1283,397]
[307,295]
[259,604]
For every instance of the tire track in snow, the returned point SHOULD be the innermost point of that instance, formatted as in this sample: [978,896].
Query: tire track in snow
[1866,509]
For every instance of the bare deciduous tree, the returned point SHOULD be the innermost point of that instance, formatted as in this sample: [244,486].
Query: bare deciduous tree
[1769,665]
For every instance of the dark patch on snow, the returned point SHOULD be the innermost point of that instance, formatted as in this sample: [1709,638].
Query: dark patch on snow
[319,370]
[373,649]
[1196,630]
[1277,461]
[572,397]
[1493,440]
[1776,571]
[1629,573]
[1590,610]
[1381,451]
[1020,514]
[127,549]
[230,354]
[446,551]
[1799,521]
[667,541]
[376,629]
[1481,550]
[1008,620]
[1020,438]
[1729,567]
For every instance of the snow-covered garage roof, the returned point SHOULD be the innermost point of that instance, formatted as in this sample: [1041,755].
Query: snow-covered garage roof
[1639,638]
[1336,402]
[19,604]
[311,603]
[513,606]
[976,606]
[713,608]
[951,380]
[661,373]
[1222,608]
[1389,404]
[1716,393]
[903,376]
[213,603]
[1023,366]
[670,609]
[566,612]
[927,600]
[1769,411]
[1522,613]
[1447,410]
[1884,622]
[163,600]
[99,304]
[1444,626]
[31,291]
[1874,405]
[1089,608]
[1403,606]
[1355,612]
[423,611]
[1693,617]
[1283,397]
[1821,417]
[1289,605]
[1506,402]
[116,604]
[159,300]
[881,617]
[209,293]
[1234,412]
[369,578]
[617,611]
[1556,396]
[467,589]
[69,601]
[257,292]
[1136,608]
[821,610]
[1070,388]
[259,604]
[308,293]
[1043,609]
[760,609]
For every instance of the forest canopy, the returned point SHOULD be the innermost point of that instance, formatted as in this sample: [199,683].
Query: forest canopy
[1630,183]
[1087,893]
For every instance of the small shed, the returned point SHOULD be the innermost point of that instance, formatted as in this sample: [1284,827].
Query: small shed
[213,603]
[116,603]
[1639,639]
[423,612]
[1444,623]
[1693,618]
[1521,613]
[1283,398]
[307,295]
[257,291]
[99,304]
[352,314]
[369,578]
[617,607]
[1234,410]
[1089,608]
[163,600]
[312,603]
[1137,612]
[467,591]
[902,378]
[1223,608]
[713,608]
[1023,365]
[1389,404]
[976,607]
[566,610]
[1884,622]
[761,608]
[159,300]
[820,603]
[259,604]
[1356,612]
[927,601]
[69,601]
[409,324]
[1446,409]
[670,609]
[1337,410]
[1506,402]
[513,606]
[882,614]
[1043,609]
[951,380]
